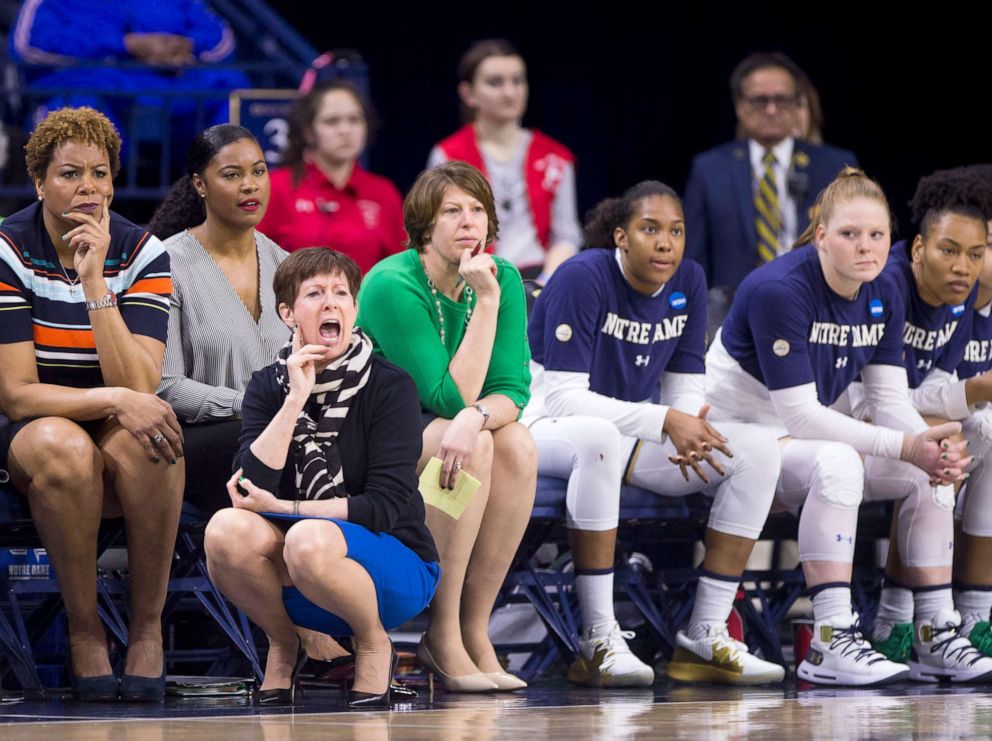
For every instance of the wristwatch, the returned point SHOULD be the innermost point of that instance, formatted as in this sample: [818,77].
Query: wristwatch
[108,300]
[483,411]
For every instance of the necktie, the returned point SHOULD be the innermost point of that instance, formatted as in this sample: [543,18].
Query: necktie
[768,213]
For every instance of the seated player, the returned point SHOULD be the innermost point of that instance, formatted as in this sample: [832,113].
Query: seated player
[610,325]
[801,330]
[935,274]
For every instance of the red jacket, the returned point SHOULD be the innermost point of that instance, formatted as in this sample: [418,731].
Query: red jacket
[544,166]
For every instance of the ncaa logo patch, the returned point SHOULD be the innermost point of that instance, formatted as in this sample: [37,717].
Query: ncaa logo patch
[781,348]
[677,300]
[957,310]
[876,308]
[563,333]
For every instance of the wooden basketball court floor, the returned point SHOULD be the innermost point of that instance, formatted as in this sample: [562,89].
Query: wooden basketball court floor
[551,709]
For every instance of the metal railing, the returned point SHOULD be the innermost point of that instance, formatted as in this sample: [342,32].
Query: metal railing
[271,53]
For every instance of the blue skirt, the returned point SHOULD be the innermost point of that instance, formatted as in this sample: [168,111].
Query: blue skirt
[404,583]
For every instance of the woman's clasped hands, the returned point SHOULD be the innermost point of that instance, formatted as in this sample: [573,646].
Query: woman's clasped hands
[694,439]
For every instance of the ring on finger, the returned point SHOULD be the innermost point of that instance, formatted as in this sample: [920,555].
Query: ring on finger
[458,466]
[158,439]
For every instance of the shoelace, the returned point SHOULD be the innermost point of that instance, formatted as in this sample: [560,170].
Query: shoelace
[945,645]
[851,641]
[721,635]
[613,646]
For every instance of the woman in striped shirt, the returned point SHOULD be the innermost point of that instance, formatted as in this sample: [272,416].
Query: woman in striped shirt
[223,323]
[85,296]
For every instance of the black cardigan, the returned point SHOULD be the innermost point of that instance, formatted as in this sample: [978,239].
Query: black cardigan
[379,444]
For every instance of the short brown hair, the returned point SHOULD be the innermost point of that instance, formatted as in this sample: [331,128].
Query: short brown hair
[422,203]
[66,125]
[305,264]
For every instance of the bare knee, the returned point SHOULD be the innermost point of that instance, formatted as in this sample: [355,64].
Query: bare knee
[514,449]
[481,461]
[55,455]
[310,543]
[233,534]
[123,452]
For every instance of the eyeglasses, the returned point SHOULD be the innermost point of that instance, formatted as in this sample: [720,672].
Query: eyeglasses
[761,102]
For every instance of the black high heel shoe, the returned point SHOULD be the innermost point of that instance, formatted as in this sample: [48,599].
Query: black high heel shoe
[371,701]
[143,689]
[342,669]
[104,688]
[285,695]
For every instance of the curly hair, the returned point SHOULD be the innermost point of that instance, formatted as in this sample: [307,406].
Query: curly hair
[983,171]
[962,191]
[424,200]
[64,125]
[607,215]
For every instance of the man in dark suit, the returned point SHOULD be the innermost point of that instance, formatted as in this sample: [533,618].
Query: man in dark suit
[746,201]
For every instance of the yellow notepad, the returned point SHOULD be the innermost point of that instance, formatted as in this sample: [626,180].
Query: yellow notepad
[450,501]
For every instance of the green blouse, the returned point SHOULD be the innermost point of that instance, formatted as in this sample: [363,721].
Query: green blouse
[396,309]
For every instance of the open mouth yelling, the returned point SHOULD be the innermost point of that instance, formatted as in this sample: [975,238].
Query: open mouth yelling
[330,330]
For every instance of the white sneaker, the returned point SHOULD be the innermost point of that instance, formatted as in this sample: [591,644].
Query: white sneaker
[839,654]
[941,653]
[606,661]
[716,657]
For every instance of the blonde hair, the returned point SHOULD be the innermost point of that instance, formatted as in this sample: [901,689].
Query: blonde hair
[850,184]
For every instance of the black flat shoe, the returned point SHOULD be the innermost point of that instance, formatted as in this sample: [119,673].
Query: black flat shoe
[370,701]
[143,689]
[284,695]
[104,688]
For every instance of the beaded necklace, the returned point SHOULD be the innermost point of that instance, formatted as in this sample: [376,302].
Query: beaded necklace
[437,302]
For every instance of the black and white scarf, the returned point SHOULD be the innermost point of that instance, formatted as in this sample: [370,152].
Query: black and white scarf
[317,458]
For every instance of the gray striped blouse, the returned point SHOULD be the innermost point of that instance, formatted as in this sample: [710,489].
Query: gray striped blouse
[214,343]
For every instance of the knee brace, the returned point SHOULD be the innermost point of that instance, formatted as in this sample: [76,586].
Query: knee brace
[742,500]
[975,499]
[925,523]
[586,451]
[832,474]
[838,475]
[925,526]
